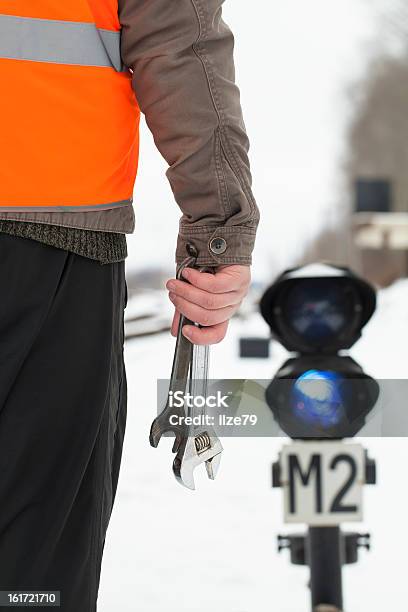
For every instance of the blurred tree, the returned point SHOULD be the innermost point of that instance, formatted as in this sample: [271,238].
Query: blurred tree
[378,136]
[376,142]
[392,21]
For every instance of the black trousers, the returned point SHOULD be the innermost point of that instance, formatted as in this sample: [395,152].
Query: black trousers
[62,417]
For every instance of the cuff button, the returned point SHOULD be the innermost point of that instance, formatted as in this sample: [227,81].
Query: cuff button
[218,246]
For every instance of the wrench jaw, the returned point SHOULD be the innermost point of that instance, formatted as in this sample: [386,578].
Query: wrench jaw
[157,431]
[212,465]
[188,458]
[161,425]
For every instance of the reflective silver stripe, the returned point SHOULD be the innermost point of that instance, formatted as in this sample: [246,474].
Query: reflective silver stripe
[111,41]
[59,208]
[58,42]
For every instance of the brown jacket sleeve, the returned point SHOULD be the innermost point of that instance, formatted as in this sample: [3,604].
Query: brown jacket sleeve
[181,55]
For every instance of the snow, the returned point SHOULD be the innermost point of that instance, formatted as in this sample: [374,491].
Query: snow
[182,551]
[389,333]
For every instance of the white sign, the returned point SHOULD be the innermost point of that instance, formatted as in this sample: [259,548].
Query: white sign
[322,482]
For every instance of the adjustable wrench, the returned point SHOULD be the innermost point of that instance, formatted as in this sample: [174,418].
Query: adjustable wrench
[200,443]
[194,444]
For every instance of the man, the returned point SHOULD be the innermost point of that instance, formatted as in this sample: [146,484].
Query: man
[74,76]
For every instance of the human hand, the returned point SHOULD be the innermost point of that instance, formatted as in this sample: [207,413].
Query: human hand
[208,299]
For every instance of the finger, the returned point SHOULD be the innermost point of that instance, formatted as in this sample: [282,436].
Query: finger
[202,315]
[175,323]
[206,335]
[211,301]
[232,278]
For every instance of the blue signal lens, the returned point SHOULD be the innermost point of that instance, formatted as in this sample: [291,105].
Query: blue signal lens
[317,398]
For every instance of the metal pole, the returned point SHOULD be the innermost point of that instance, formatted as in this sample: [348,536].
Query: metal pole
[325,556]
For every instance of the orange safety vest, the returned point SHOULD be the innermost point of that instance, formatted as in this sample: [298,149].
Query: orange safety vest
[69,119]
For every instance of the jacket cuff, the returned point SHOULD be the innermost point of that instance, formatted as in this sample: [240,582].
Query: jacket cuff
[217,246]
